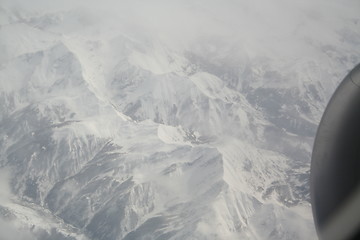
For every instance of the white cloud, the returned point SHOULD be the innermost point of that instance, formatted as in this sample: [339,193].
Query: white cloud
[5,191]
[9,231]
[260,24]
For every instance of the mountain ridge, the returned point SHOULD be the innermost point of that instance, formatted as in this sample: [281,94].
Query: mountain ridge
[109,134]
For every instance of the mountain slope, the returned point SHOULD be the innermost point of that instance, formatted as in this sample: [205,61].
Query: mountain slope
[110,131]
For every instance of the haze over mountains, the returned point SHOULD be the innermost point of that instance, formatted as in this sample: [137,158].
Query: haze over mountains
[165,119]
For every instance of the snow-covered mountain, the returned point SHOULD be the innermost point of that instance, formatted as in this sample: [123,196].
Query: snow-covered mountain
[165,120]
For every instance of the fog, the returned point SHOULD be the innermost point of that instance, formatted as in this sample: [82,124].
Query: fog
[9,229]
[261,27]
[5,191]
[10,232]
[270,124]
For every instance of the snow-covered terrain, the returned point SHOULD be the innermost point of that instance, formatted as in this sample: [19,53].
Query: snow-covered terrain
[165,119]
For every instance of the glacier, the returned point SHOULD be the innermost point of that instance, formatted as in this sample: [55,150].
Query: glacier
[165,119]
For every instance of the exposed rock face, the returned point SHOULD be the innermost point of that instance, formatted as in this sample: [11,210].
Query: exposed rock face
[109,134]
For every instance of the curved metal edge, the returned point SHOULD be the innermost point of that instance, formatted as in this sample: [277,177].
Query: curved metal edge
[324,162]
[355,75]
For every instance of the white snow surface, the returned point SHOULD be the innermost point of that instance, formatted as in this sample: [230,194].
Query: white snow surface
[165,119]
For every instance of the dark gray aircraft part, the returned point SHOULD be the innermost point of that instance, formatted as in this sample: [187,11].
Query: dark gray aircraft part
[335,166]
